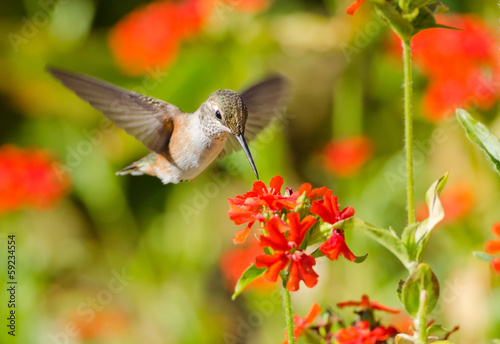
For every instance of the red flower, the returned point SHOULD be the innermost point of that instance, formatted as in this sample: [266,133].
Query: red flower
[366,304]
[287,252]
[354,6]
[253,205]
[150,36]
[301,324]
[361,333]
[310,192]
[345,157]
[461,65]
[328,209]
[336,245]
[29,179]
[457,201]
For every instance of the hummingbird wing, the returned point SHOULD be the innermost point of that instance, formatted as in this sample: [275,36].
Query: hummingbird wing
[148,119]
[264,102]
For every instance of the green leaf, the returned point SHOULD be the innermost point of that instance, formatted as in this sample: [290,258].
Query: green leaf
[408,239]
[483,256]
[421,279]
[398,24]
[436,211]
[360,259]
[479,134]
[383,236]
[250,275]
[414,237]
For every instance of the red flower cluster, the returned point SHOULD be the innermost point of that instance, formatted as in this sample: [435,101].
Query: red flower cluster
[27,179]
[262,202]
[493,246]
[361,333]
[286,221]
[462,65]
[345,157]
[150,35]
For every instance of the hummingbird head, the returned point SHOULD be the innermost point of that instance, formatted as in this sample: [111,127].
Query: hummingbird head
[228,113]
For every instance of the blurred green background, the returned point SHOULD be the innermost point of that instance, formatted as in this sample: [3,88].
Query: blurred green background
[130,260]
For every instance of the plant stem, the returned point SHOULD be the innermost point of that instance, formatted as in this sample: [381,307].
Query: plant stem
[421,320]
[287,305]
[410,192]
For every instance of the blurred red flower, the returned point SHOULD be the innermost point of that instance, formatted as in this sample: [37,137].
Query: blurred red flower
[367,305]
[345,157]
[462,65]
[28,179]
[104,325]
[458,201]
[354,6]
[150,35]
[287,252]
[234,262]
[301,324]
[361,333]
[253,205]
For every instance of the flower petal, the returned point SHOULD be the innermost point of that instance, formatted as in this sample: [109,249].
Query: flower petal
[274,263]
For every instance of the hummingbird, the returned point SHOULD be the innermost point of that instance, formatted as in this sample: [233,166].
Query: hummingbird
[182,144]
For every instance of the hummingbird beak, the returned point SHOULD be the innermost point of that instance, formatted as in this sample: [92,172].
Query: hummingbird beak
[243,143]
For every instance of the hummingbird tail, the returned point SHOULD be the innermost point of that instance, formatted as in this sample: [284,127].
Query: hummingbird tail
[131,169]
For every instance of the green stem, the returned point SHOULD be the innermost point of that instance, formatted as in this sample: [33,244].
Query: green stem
[410,193]
[421,320]
[287,305]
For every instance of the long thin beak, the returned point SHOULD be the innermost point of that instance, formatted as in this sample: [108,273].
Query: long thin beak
[243,143]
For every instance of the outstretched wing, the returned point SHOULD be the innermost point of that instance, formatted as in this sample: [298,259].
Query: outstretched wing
[264,101]
[148,119]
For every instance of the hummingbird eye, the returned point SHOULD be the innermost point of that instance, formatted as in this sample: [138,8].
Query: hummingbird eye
[218,115]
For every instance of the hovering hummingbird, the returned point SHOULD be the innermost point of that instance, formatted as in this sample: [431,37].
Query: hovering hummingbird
[183,144]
